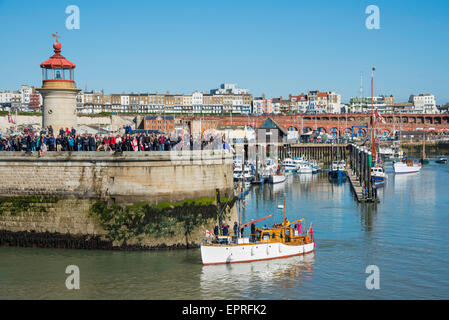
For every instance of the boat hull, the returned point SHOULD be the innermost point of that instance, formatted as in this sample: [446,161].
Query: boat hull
[400,168]
[277,179]
[305,170]
[337,174]
[224,254]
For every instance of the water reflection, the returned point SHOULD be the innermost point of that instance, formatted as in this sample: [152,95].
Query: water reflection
[368,212]
[232,280]
[402,182]
[279,187]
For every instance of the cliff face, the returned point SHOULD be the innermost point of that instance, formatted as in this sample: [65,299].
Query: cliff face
[98,200]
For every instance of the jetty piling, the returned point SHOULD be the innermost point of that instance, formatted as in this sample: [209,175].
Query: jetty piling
[360,174]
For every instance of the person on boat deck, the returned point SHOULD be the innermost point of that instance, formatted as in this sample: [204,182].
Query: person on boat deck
[299,227]
[236,228]
[253,232]
[225,229]
[242,230]
[216,230]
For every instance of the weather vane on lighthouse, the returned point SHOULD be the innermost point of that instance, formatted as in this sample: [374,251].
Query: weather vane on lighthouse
[55,35]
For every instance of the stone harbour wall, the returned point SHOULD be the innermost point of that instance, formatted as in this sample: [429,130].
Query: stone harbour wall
[134,176]
[47,201]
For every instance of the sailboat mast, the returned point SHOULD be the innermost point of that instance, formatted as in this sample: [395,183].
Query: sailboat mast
[373,121]
[239,193]
[424,146]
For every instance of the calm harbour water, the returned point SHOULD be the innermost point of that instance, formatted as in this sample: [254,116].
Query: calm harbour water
[406,236]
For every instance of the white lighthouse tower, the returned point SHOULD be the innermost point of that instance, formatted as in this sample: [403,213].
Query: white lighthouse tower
[58,91]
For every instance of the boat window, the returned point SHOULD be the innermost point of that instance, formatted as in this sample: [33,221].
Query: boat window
[273,235]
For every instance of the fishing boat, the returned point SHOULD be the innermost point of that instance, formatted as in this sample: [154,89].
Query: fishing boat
[305,167]
[391,153]
[406,166]
[267,243]
[337,170]
[245,175]
[441,160]
[315,167]
[298,161]
[378,174]
[289,165]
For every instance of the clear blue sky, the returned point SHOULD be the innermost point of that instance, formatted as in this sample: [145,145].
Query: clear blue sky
[272,47]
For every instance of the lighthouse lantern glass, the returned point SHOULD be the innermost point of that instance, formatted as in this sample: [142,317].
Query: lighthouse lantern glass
[57,74]
[67,74]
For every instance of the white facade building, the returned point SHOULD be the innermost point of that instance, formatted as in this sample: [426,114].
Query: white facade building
[229,88]
[424,103]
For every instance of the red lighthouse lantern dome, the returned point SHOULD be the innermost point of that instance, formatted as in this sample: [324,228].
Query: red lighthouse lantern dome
[57,67]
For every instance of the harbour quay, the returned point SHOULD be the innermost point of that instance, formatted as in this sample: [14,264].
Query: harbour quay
[73,198]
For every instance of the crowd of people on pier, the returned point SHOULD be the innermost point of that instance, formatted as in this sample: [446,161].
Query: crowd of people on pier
[45,140]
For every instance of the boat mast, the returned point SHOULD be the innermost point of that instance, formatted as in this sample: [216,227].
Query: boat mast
[373,121]
[424,146]
[239,194]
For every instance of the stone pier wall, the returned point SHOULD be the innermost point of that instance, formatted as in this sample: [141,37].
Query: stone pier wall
[134,176]
[47,201]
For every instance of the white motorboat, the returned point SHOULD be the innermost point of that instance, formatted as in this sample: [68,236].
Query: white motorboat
[378,174]
[393,152]
[406,166]
[245,175]
[315,167]
[305,167]
[289,165]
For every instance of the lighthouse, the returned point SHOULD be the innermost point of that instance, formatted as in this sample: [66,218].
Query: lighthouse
[58,91]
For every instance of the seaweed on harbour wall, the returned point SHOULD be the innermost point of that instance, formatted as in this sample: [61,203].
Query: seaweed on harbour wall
[14,205]
[123,223]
